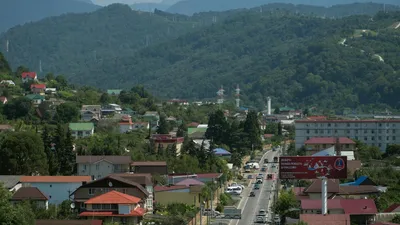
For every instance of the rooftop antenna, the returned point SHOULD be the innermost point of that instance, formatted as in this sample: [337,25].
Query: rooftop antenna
[220,94]
[237,94]
[7,45]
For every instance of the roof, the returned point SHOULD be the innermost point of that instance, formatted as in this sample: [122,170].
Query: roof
[96,108]
[114,91]
[349,206]
[55,179]
[138,212]
[170,188]
[117,177]
[29,74]
[354,190]
[68,222]
[209,175]
[315,186]
[113,197]
[81,126]
[140,178]
[328,140]
[114,159]
[35,97]
[356,182]
[29,193]
[38,86]
[189,182]
[221,151]
[193,125]
[392,208]
[329,219]
[149,163]
[9,181]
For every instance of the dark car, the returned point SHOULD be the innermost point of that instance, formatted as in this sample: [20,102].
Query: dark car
[263,169]
[252,194]
[269,176]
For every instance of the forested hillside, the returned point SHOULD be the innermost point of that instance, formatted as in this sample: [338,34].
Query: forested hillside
[190,7]
[295,59]
[16,12]
[69,43]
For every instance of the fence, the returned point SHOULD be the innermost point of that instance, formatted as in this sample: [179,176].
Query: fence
[196,219]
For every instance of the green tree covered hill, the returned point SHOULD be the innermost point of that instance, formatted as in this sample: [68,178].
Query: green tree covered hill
[295,59]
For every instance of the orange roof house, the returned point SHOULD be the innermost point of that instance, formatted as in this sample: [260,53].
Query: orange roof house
[115,206]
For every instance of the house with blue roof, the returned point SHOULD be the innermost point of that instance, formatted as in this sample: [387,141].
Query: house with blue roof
[220,152]
[362,180]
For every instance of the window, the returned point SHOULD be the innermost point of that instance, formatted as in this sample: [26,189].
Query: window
[356,124]
[51,185]
[329,125]
[380,125]
[91,191]
[149,203]
[97,166]
[356,131]
[307,125]
[105,190]
[316,131]
[321,131]
[372,131]
[106,206]
[380,131]
[84,167]
[123,190]
[365,139]
[335,131]
[348,124]
[49,196]
[348,131]
[328,131]
[372,138]
[380,145]
[393,131]
[379,138]
[308,131]
[96,206]
[387,131]
[393,125]
[347,146]
[387,138]
[394,138]
[365,131]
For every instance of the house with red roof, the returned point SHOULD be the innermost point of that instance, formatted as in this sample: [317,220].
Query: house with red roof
[359,210]
[115,206]
[28,77]
[317,144]
[38,89]
[329,219]
[125,124]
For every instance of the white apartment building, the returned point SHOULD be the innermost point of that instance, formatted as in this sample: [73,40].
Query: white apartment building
[378,133]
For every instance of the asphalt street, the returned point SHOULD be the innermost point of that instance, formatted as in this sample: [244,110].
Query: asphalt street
[264,196]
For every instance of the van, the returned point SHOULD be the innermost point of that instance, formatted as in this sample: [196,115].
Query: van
[235,189]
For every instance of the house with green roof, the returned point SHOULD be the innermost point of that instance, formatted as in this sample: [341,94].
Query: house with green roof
[114,91]
[80,130]
[35,98]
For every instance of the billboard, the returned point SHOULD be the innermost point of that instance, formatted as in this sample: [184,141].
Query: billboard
[312,167]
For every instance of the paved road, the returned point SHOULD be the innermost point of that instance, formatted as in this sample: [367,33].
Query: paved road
[263,198]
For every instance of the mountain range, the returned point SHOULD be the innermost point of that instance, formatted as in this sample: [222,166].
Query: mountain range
[16,12]
[293,53]
[189,7]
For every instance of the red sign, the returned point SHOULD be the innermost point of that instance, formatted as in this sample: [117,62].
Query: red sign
[312,167]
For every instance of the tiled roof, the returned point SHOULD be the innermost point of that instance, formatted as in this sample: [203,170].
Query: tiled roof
[189,182]
[315,186]
[29,193]
[9,181]
[328,140]
[149,163]
[114,159]
[140,178]
[169,188]
[350,206]
[354,190]
[134,213]
[68,222]
[392,208]
[81,126]
[28,74]
[330,219]
[55,179]
[209,175]
[38,86]
[113,197]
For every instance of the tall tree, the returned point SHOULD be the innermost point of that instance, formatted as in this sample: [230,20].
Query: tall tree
[253,130]
[49,150]
[67,112]
[163,127]
[22,153]
[20,214]
[279,129]
[217,128]
[182,129]
[67,155]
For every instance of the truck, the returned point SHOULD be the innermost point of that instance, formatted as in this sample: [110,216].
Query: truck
[231,212]
[275,159]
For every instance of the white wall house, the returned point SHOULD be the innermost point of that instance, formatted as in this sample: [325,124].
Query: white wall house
[380,133]
[80,130]
[56,188]
[101,166]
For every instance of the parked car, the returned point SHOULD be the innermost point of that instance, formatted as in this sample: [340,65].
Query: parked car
[252,194]
[262,212]
[257,186]
[264,169]
[269,176]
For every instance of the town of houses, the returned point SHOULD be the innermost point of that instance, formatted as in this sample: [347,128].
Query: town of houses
[115,188]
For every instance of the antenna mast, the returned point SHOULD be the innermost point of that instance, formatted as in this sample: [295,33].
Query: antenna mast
[40,66]
[220,94]
[237,94]
[7,45]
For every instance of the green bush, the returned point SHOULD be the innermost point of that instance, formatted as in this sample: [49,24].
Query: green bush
[219,208]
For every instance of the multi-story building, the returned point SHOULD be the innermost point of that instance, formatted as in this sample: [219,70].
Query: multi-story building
[98,166]
[380,133]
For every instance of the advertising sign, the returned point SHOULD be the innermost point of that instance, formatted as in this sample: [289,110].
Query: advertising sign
[312,167]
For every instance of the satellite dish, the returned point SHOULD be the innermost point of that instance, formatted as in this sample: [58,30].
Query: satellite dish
[72,205]
[110,184]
